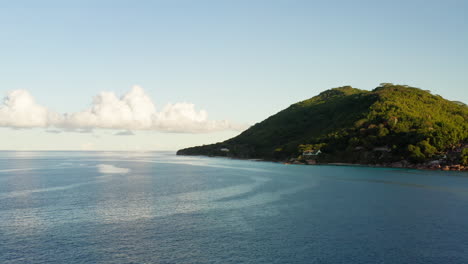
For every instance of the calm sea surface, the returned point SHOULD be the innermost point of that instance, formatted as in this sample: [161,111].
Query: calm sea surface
[155,207]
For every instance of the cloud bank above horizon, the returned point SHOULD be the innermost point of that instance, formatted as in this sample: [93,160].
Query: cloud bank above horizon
[133,111]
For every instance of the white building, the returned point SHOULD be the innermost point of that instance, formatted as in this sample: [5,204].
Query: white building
[311,153]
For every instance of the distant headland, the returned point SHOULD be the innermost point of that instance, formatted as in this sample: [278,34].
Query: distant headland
[391,126]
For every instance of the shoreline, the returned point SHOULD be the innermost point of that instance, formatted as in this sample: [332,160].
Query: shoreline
[395,165]
[455,167]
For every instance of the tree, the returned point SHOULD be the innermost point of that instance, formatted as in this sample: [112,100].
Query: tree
[415,154]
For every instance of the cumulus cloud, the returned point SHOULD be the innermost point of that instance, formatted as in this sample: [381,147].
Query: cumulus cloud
[180,117]
[133,111]
[20,110]
[111,169]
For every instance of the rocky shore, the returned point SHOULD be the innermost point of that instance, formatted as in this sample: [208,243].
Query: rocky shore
[400,164]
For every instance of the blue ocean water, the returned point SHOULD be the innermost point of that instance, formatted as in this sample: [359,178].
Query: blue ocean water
[155,207]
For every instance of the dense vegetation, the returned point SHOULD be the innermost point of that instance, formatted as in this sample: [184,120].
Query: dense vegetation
[390,123]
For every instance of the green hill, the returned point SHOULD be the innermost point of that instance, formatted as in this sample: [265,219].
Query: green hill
[391,123]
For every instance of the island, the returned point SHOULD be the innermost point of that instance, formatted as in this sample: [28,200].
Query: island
[391,126]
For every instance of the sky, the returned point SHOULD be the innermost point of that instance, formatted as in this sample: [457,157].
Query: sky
[163,75]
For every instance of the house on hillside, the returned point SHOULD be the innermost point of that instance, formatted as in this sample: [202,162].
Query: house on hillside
[224,149]
[309,153]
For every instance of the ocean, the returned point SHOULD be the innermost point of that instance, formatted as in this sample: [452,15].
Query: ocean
[156,207]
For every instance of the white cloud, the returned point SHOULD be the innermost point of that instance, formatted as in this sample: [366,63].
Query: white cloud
[19,110]
[111,169]
[133,111]
[182,117]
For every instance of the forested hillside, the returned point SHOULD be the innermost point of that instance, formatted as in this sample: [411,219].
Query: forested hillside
[391,123]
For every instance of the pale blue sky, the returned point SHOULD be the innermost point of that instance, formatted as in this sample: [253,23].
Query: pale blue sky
[239,60]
